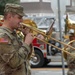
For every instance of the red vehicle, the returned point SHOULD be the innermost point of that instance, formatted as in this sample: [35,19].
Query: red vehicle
[1,20]
[44,53]
[40,54]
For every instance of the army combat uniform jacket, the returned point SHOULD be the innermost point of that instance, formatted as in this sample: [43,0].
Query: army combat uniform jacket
[13,54]
[30,56]
[71,60]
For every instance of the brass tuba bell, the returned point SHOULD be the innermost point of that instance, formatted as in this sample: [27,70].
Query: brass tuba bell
[30,22]
[69,24]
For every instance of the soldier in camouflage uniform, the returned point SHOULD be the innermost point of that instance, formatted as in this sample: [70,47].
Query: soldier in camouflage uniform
[13,53]
[71,59]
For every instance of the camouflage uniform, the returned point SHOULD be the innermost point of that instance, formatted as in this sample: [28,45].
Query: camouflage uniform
[71,61]
[31,55]
[13,53]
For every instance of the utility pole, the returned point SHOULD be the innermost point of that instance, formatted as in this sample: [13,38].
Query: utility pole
[59,20]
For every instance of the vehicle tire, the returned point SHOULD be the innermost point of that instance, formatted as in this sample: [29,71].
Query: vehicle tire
[38,60]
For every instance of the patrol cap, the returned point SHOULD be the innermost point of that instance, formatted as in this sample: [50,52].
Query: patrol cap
[14,8]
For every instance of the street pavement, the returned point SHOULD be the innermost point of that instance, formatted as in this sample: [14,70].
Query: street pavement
[53,71]
[53,68]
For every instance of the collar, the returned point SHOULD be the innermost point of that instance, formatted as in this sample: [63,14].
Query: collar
[7,29]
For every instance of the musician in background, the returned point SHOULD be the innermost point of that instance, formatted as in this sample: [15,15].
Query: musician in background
[71,59]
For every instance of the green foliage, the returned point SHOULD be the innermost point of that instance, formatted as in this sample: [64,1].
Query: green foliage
[3,2]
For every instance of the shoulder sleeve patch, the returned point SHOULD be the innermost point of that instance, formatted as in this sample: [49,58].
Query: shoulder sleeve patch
[3,40]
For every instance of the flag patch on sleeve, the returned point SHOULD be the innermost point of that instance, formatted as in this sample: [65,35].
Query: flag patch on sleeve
[3,40]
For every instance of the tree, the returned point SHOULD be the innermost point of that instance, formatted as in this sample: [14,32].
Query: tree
[3,2]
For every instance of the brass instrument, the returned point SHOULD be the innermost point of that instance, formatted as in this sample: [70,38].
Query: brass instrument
[69,24]
[47,38]
[65,48]
[33,27]
[31,23]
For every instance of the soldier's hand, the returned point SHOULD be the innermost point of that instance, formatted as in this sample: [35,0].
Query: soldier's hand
[29,38]
[40,36]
